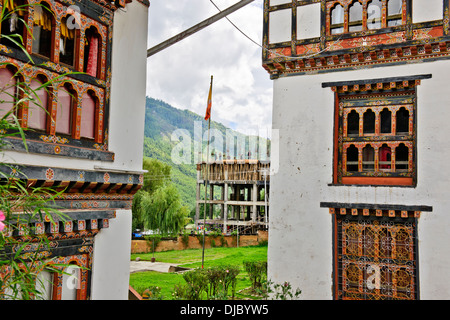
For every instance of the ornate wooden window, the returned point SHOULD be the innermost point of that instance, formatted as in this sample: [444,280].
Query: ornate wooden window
[362,15]
[61,40]
[375,251]
[375,131]
[376,257]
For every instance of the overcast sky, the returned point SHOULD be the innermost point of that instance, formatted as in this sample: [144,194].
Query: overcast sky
[180,75]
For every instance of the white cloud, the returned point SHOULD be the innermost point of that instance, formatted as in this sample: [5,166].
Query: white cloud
[180,74]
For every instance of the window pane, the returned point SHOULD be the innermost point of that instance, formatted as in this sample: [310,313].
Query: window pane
[401,157]
[374,14]
[91,52]
[88,116]
[71,282]
[394,12]
[63,113]
[355,17]
[37,114]
[352,159]
[12,24]
[7,92]
[42,31]
[353,123]
[337,19]
[67,44]
[368,158]
[402,125]
[369,122]
[44,285]
[385,157]
[386,121]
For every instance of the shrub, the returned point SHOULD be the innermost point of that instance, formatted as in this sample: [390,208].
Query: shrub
[215,282]
[220,280]
[257,272]
[196,284]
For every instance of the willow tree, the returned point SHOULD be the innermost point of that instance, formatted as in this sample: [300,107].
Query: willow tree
[157,206]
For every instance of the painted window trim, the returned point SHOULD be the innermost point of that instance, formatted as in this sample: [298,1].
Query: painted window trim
[402,86]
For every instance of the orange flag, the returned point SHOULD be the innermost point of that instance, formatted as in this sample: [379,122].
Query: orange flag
[208,109]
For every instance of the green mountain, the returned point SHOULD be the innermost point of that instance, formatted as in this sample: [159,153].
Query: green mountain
[162,121]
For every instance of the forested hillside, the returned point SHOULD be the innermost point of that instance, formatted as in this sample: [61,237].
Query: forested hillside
[161,120]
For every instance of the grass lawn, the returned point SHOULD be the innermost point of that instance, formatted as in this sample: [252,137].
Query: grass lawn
[192,258]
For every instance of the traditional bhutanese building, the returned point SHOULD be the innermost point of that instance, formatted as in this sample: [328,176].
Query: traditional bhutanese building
[359,205]
[87,139]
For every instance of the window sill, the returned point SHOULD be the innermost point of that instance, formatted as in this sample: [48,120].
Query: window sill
[403,182]
[57,149]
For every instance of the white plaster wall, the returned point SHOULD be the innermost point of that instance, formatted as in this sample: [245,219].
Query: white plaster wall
[300,242]
[127,108]
[111,259]
[308,21]
[427,10]
[112,247]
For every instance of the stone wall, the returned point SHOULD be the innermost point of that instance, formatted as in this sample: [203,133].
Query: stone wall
[195,242]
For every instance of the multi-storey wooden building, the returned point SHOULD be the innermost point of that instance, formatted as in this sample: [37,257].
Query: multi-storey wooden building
[359,203]
[87,139]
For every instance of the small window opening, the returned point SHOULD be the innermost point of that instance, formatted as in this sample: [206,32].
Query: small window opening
[353,123]
[394,15]
[402,125]
[91,51]
[386,121]
[368,158]
[352,159]
[369,122]
[337,19]
[374,10]
[401,158]
[67,43]
[42,30]
[13,24]
[355,17]
[385,155]
[37,106]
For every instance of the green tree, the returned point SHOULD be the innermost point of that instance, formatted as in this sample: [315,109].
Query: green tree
[158,206]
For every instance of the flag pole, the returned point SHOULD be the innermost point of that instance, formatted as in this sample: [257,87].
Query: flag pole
[208,117]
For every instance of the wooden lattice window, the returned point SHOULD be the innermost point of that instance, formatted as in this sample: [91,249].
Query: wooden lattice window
[375,254]
[363,15]
[375,131]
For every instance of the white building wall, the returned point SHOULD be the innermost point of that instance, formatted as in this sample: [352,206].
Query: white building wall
[111,259]
[112,247]
[300,242]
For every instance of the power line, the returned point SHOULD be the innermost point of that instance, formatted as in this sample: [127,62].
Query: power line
[274,52]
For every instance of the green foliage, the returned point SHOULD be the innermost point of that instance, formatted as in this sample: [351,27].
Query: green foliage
[280,291]
[152,293]
[257,272]
[221,279]
[157,206]
[196,284]
[215,282]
